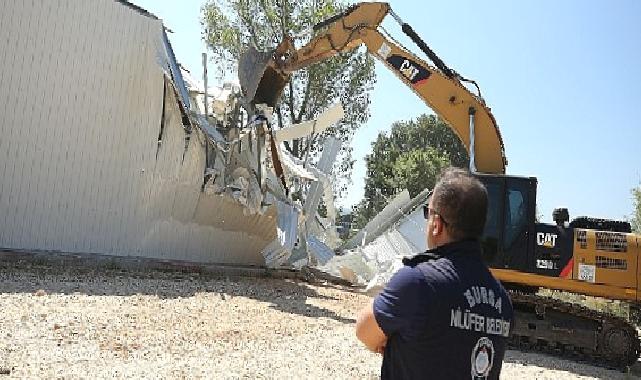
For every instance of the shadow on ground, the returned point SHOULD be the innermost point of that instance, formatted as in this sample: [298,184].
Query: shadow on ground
[33,276]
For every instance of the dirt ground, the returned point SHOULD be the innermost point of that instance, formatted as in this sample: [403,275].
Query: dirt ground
[110,323]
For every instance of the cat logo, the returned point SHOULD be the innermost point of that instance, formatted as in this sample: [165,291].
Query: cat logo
[547,240]
[410,70]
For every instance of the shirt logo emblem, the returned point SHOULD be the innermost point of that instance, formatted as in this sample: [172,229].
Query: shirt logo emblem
[482,359]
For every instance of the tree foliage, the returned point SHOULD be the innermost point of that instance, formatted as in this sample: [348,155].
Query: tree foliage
[411,157]
[636,217]
[231,26]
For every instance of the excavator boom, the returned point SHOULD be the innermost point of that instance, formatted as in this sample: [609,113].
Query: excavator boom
[439,87]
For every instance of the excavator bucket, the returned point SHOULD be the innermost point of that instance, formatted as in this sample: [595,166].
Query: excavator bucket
[259,77]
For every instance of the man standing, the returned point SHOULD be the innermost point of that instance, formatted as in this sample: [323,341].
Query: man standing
[443,315]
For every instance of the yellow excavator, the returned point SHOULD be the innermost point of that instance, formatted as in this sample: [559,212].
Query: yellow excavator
[587,256]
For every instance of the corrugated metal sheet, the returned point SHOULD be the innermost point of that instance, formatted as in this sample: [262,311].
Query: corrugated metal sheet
[412,228]
[377,225]
[81,170]
[397,231]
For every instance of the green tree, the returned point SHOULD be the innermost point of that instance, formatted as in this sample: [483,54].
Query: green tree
[636,218]
[418,169]
[231,26]
[410,157]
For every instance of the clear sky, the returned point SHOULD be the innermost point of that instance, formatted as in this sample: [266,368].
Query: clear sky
[562,79]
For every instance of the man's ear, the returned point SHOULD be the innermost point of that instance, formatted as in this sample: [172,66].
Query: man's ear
[437,226]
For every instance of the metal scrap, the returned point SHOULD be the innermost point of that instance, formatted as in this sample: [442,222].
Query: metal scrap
[376,252]
[250,165]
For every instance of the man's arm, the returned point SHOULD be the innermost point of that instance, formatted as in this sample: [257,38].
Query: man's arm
[368,331]
[395,310]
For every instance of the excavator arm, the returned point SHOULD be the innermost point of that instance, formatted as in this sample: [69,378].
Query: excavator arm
[439,87]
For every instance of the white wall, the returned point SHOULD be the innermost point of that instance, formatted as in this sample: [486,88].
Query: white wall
[81,103]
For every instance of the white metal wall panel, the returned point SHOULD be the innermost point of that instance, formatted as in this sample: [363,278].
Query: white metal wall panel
[412,228]
[81,100]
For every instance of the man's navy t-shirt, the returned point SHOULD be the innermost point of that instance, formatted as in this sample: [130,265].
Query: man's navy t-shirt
[444,318]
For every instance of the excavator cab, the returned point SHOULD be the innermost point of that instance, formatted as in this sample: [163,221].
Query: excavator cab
[510,227]
[513,239]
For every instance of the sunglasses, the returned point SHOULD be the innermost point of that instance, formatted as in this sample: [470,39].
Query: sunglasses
[427,211]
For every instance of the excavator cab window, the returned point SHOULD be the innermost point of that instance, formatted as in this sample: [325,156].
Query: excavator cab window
[492,232]
[518,225]
[515,216]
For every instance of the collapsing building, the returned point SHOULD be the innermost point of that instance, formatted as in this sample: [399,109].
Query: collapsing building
[106,149]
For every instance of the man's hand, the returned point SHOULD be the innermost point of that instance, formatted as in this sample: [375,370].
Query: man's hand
[368,331]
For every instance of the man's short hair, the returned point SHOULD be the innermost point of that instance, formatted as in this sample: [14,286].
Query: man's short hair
[461,200]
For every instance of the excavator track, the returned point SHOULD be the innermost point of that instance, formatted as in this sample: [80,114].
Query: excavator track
[556,327]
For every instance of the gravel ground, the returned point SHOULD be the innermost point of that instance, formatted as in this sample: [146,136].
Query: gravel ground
[116,324]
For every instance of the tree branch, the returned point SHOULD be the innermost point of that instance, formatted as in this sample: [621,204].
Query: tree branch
[290,101]
[270,22]
[305,99]
[283,12]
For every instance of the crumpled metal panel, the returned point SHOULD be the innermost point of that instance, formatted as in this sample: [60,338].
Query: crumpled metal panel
[398,230]
[318,190]
[396,210]
[412,228]
[350,266]
[176,73]
[212,132]
[325,120]
[275,254]
[325,164]
[279,250]
[372,264]
[375,226]
[218,227]
[294,166]
[321,253]
[287,225]
[386,247]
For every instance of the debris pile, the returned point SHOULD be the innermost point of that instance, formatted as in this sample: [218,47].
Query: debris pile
[304,238]
[249,164]
[375,253]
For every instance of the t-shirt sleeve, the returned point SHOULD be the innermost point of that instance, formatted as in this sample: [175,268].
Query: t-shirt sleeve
[404,300]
